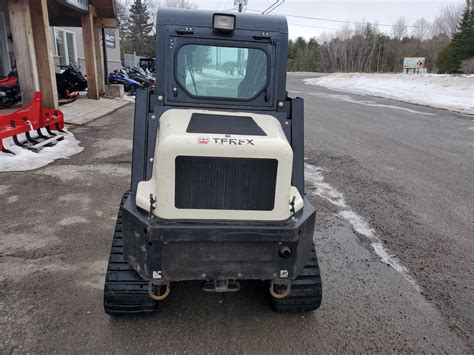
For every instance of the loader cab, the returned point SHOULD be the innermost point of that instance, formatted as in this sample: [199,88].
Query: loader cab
[234,62]
[229,61]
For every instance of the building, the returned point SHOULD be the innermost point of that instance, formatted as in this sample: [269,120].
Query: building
[67,43]
[69,47]
[39,35]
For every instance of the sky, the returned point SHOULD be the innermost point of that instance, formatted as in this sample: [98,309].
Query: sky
[380,11]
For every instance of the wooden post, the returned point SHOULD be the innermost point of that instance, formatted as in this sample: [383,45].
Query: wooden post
[44,53]
[90,55]
[99,59]
[24,48]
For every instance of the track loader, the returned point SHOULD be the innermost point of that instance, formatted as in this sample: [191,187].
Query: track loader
[217,183]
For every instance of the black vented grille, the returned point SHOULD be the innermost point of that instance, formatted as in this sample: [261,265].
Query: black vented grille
[225,183]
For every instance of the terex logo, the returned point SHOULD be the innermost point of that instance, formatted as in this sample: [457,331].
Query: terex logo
[226,141]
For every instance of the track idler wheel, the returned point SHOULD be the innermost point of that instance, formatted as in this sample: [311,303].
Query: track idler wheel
[152,285]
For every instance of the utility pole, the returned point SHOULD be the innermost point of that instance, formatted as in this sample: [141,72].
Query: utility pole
[240,4]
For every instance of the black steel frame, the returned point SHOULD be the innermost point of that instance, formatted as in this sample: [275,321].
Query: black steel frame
[145,238]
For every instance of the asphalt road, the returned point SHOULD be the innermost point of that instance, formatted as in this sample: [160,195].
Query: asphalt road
[406,169]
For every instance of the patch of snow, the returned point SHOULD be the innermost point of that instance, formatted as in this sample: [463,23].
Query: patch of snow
[455,93]
[11,243]
[209,73]
[321,188]
[4,189]
[67,173]
[92,274]
[111,147]
[324,190]
[130,98]
[362,227]
[72,220]
[17,268]
[12,199]
[370,103]
[25,159]
[77,199]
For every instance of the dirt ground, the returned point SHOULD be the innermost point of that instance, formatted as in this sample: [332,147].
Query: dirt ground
[57,225]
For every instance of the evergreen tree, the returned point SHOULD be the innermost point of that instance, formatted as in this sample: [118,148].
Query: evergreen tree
[138,36]
[291,55]
[303,56]
[464,40]
[461,46]
[311,59]
[300,47]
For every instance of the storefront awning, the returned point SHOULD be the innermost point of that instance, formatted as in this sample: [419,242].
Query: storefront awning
[68,12]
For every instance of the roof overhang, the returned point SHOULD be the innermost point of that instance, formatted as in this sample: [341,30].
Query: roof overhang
[67,13]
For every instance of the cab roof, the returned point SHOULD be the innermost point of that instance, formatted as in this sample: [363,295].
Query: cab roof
[202,18]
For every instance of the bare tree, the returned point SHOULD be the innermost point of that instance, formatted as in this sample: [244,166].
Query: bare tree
[400,29]
[123,3]
[180,4]
[421,29]
[448,20]
[467,66]
[155,5]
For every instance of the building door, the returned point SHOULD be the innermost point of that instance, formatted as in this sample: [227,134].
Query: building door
[5,66]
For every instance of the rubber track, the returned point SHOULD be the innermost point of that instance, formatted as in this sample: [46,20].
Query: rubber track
[125,292]
[306,291]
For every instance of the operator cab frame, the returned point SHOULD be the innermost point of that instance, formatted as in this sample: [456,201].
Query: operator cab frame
[251,35]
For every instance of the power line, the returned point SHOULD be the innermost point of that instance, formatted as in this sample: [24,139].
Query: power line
[318,27]
[333,20]
[273,6]
[341,21]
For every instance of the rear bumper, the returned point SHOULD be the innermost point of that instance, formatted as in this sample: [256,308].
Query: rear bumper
[179,251]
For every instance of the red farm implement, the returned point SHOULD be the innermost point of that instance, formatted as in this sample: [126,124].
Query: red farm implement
[31,120]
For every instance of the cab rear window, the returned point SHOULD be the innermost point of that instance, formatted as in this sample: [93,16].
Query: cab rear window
[221,72]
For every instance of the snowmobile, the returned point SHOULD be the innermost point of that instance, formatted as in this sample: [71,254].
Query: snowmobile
[69,82]
[74,78]
[147,64]
[121,77]
[217,183]
[9,90]
[139,75]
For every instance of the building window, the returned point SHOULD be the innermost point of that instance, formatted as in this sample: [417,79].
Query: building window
[65,47]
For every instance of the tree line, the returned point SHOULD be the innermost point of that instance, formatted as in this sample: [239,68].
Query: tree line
[447,43]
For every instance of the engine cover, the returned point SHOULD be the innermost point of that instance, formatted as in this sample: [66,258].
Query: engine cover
[212,165]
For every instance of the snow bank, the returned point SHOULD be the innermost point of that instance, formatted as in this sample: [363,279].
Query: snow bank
[25,159]
[455,93]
